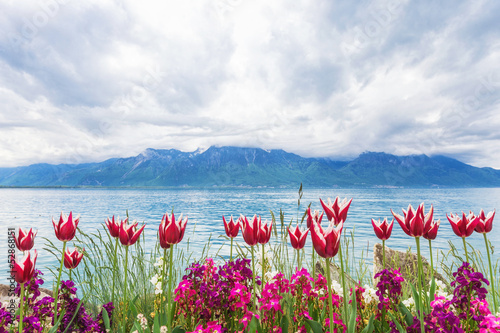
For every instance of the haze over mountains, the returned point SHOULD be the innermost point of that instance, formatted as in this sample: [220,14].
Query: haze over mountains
[234,166]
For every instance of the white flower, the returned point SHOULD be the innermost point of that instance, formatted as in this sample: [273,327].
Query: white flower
[369,294]
[154,279]
[271,275]
[163,329]
[409,303]
[159,262]
[337,288]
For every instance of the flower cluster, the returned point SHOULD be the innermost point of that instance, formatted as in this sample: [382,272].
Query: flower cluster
[389,288]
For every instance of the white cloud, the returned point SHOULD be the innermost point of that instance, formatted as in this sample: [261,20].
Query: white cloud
[88,81]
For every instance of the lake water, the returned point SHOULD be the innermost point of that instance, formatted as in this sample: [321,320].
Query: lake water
[205,207]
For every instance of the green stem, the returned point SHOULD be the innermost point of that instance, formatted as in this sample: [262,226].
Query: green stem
[163,282]
[421,314]
[330,303]
[383,252]
[314,267]
[70,275]
[263,270]
[432,262]
[21,309]
[465,247]
[170,278]
[298,260]
[58,283]
[231,253]
[492,280]
[114,272]
[125,296]
[344,289]
[253,278]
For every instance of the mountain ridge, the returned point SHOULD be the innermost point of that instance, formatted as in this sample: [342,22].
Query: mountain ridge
[253,167]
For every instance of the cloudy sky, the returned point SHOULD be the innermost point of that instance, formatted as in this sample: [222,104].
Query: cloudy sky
[88,80]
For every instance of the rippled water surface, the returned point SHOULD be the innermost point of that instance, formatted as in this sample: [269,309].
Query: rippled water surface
[205,207]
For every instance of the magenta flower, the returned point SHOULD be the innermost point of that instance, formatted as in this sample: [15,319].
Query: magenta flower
[298,237]
[463,227]
[128,233]
[326,242]
[24,269]
[413,221]
[313,217]
[383,229]
[231,227]
[72,258]
[114,226]
[250,229]
[171,231]
[485,223]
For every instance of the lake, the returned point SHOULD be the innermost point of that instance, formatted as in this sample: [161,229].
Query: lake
[23,207]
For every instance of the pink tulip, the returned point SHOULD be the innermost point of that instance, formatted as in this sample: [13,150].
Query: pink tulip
[298,237]
[171,231]
[430,226]
[413,221]
[128,234]
[114,226]
[383,229]
[72,258]
[25,239]
[485,223]
[326,242]
[313,217]
[336,210]
[265,232]
[66,227]
[250,229]
[231,227]
[24,270]
[463,227]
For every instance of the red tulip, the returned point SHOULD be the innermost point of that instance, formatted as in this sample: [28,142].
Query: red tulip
[326,242]
[114,226]
[232,228]
[250,230]
[485,223]
[171,231]
[24,270]
[25,239]
[463,227]
[413,221]
[72,258]
[297,237]
[316,217]
[66,227]
[383,229]
[336,210]
[128,234]
[430,226]
[265,232]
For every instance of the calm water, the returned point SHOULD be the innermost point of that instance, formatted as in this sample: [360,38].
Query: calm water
[35,208]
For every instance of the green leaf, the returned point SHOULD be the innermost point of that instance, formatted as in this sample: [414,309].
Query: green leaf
[284,324]
[156,323]
[315,326]
[406,313]
[370,327]
[352,315]
[253,326]
[398,325]
[415,297]
[178,329]
[432,291]
[105,318]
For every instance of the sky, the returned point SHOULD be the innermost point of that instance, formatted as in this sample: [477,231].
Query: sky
[83,81]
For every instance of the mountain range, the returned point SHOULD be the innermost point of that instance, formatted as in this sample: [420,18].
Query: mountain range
[235,166]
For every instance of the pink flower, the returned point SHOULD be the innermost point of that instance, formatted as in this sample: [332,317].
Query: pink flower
[463,227]
[250,229]
[72,258]
[231,227]
[383,229]
[128,233]
[313,217]
[413,221]
[25,239]
[336,210]
[114,226]
[65,229]
[326,242]
[265,232]
[298,237]
[171,231]
[24,269]
[485,223]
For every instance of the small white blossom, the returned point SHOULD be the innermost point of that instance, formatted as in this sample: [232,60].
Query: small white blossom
[159,262]
[409,303]
[369,294]
[337,288]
